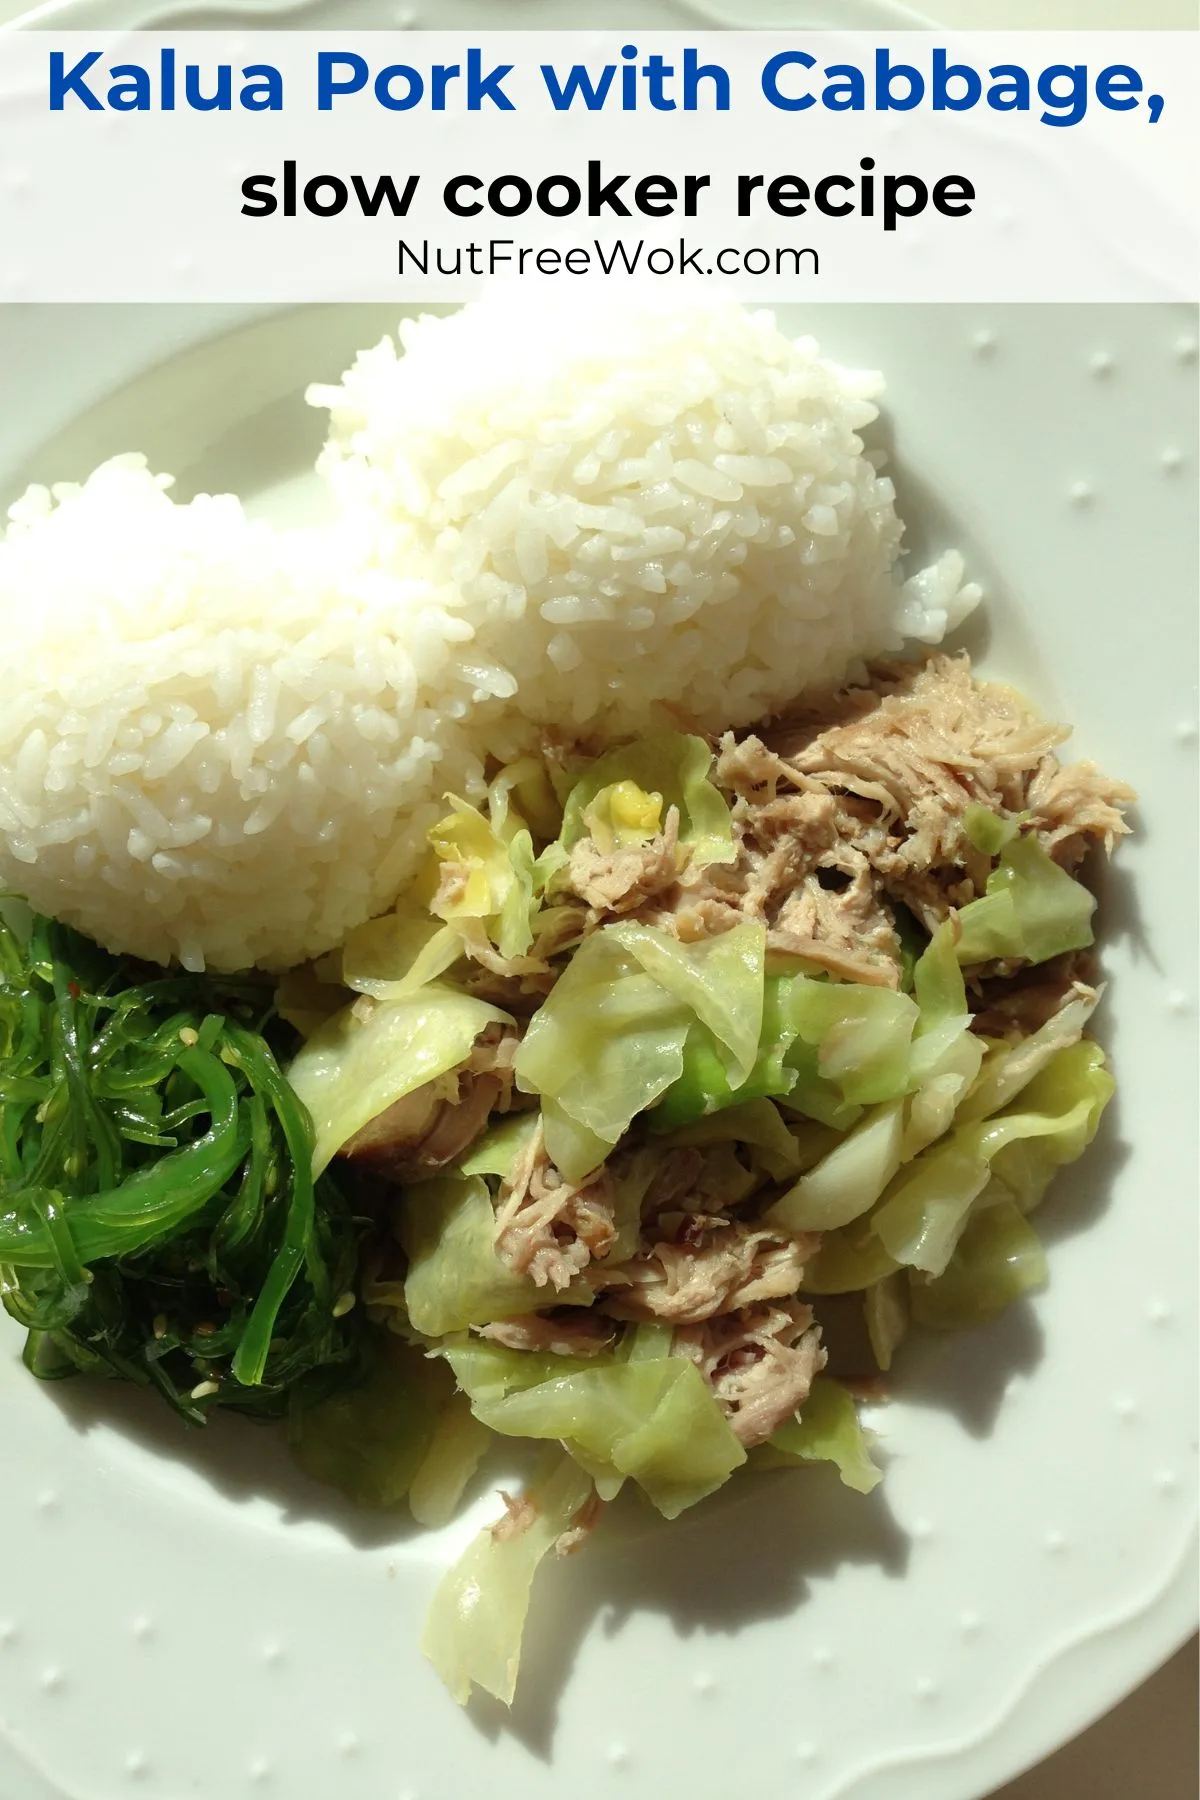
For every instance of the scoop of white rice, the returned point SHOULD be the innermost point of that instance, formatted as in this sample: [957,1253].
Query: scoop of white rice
[217,743]
[648,510]
[225,744]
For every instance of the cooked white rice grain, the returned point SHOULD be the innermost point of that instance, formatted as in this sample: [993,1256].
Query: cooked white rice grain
[217,743]
[650,510]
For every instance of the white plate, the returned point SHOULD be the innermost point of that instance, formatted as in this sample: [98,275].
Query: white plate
[186,1615]
[188,1609]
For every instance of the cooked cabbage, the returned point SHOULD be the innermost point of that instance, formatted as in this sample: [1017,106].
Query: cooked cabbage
[1032,909]
[608,1041]
[474,1627]
[374,1052]
[455,1278]
[371,1440]
[670,768]
[827,1430]
[997,1259]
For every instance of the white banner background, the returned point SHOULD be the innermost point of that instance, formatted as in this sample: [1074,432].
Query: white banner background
[147,205]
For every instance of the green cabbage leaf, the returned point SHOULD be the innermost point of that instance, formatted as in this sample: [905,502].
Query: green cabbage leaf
[497,876]
[475,1624]
[497,1150]
[370,1054]
[849,1179]
[1011,1067]
[922,1215]
[886,1312]
[370,1440]
[651,1418]
[608,1040]
[827,1430]
[398,953]
[989,831]
[457,1448]
[1032,909]
[654,1421]
[671,769]
[455,1279]
[997,1259]
[754,1123]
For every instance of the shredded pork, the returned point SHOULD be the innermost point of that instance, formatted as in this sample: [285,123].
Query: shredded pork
[520,1512]
[435,1124]
[760,1363]
[581,1526]
[841,813]
[712,1268]
[549,1228]
[622,880]
[908,754]
[569,1331]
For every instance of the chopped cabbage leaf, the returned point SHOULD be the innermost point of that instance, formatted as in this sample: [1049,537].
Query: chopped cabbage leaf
[988,831]
[824,1048]
[1061,1105]
[704,1088]
[848,1260]
[932,1109]
[473,1631]
[886,1309]
[521,793]
[654,1420]
[630,1177]
[623,816]
[496,876]
[514,924]
[605,1044]
[811,1095]
[455,1278]
[720,980]
[923,1213]
[946,1054]
[827,1430]
[998,1259]
[1073,1088]
[671,766]
[398,953]
[1054,911]
[753,1122]
[646,1342]
[862,1035]
[1011,1067]
[938,986]
[370,1440]
[849,1180]
[988,929]
[608,1040]
[501,1144]
[912,938]
[487,1372]
[574,1149]
[1032,909]
[372,1053]
[457,1448]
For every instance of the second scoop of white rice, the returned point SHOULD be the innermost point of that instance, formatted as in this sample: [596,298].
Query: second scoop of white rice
[648,510]
[224,745]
